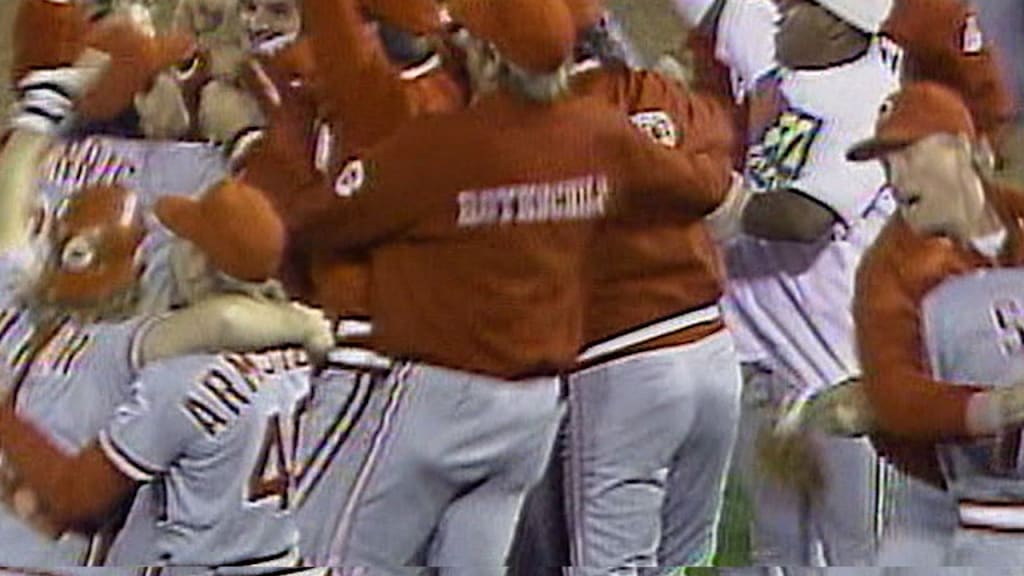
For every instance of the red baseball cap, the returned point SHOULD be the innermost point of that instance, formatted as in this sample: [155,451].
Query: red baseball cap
[233,224]
[915,112]
[536,35]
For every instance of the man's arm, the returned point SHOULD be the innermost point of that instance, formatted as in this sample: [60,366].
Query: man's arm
[361,89]
[663,182]
[907,401]
[19,163]
[787,216]
[372,199]
[239,324]
[74,491]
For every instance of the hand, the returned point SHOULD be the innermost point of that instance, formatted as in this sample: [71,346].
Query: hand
[726,222]
[226,112]
[786,453]
[995,410]
[319,334]
[841,410]
[671,68]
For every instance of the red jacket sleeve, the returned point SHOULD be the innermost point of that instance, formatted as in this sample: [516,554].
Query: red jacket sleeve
[360,88]
[908,402]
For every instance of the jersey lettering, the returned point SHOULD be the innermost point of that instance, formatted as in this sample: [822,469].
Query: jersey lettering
[86,163]
[778,159]
[578,199]
[271,477]
[225,392]
[205,417]
[313,467]
[1008,316]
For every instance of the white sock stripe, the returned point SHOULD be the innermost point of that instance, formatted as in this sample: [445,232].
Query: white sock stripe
[573,477]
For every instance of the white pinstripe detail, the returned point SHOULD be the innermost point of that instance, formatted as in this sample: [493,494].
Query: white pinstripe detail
[573,471]
[377,444]
[113,453]
[997,516]
[656,330]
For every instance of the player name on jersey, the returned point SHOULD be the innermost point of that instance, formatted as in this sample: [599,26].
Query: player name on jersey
[577,199]
[79,163]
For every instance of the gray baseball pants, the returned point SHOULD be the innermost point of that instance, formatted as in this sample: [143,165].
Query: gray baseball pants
[649,438]
[445,472]
[839,529]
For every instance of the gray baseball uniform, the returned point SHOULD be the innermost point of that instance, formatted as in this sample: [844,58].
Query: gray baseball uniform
[973,327]
[345,397]
[150,168]
[84,373]
[327,419]
[71,389]
[212,440]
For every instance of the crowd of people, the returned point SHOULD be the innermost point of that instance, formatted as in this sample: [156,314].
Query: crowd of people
[381,286]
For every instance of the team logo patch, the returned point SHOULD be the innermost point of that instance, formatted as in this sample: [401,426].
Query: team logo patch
[779,157]
[973,40]
[351,179]
[658,125]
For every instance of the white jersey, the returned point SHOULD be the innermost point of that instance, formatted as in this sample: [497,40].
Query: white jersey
[795,298]
[745,42]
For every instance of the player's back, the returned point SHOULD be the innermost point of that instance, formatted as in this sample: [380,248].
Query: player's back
[500,200]
[211,439]
[635,279]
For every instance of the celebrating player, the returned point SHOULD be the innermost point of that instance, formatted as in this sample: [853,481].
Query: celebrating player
[791,277]
[477,284]
[652,315]
[936,303]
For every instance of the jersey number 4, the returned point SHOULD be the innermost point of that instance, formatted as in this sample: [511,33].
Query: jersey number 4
[272,478]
